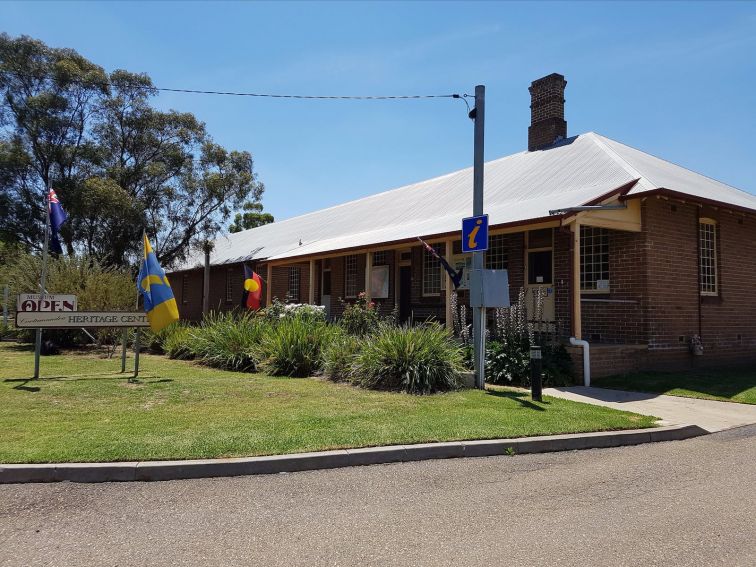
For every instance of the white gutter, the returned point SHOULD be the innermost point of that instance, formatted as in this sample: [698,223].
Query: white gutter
[586,359]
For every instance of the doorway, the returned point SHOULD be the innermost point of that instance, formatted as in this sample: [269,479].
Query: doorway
[539,283]
[325,294]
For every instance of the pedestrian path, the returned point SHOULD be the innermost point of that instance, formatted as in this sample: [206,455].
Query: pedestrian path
[672,410]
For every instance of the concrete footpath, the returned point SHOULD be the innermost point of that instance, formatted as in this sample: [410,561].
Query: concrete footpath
[673,410]
[205,468]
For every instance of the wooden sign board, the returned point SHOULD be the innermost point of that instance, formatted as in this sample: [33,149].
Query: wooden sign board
[79,319]
[46,302]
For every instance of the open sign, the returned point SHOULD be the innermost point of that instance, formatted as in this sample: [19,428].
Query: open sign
[45,302]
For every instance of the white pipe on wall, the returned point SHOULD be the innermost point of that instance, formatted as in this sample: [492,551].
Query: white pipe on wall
[586,359]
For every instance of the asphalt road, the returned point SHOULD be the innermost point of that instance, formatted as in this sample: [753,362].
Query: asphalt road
[679,503]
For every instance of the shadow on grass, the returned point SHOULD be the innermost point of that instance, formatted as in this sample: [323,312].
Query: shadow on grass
[100,376]
[23,386]
[520,397]
[724,383]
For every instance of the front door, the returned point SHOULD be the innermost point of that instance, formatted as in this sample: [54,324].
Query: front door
[405,290]
[539,287]
[325,295]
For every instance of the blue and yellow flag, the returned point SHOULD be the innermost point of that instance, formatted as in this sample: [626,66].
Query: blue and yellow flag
[159,303]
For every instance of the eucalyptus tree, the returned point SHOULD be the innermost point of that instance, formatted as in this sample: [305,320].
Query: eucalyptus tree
[120,165]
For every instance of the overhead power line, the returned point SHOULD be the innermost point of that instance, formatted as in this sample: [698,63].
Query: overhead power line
[322,97]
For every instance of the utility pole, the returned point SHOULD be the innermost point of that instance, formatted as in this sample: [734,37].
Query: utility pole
[479,313]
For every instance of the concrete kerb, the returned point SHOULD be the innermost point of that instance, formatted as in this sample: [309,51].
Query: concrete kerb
[206,468]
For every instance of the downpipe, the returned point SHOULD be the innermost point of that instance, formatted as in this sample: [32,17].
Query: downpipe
[586,359]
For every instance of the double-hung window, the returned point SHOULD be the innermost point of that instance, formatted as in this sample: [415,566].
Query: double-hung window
[594,259]
[707,260]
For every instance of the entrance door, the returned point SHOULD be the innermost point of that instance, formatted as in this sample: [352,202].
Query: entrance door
[405,290]
[325,295]
[539,287]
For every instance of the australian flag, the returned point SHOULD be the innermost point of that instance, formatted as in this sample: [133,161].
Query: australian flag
[57,217]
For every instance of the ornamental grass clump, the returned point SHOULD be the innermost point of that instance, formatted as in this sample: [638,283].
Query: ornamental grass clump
[416,360]
[339,356]
[179,344]
[294,346]
[229,341]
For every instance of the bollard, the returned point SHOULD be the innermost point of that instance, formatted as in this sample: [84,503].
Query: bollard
[535,373]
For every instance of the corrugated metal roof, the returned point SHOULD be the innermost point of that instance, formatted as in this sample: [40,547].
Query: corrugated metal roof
[518,188]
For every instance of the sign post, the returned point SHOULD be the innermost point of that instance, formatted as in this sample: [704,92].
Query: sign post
[479,313]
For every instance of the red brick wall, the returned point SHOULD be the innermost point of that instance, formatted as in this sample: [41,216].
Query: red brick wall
[673,287]
[617,316]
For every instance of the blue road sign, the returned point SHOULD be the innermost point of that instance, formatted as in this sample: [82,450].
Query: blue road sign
[475,234]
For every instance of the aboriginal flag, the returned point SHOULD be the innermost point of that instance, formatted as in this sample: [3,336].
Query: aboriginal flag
[252,289]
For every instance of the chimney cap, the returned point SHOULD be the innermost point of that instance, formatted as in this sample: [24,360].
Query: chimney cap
[553,77]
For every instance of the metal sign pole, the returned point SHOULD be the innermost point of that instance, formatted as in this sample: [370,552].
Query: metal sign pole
[479,313]
[5,305]
[136,354]
[38,342]
[123,349]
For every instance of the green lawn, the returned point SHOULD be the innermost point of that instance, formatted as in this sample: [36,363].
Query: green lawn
[83,410]
[728,385]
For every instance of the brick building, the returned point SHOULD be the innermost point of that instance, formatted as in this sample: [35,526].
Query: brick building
[633,254]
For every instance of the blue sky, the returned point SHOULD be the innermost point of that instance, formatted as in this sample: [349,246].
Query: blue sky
[674,79]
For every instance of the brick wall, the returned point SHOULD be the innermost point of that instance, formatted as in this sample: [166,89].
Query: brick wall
[617,316]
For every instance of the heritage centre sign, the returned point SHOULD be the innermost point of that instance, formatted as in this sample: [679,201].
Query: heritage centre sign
[475,234]
[79,319]
[45,302]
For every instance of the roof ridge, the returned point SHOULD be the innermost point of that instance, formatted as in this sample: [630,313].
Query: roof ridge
[595,134]
[642,179]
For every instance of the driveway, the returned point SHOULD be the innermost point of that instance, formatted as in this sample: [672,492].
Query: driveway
[672,410]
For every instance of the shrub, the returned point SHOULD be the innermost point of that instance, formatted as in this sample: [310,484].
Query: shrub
[179,344]
[508,362]
[557,366]
[339,356]
[279,310]
[417,360]
[228,340]
[361,317]
[294,346]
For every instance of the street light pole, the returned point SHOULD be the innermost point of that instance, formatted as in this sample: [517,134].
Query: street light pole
[479,313]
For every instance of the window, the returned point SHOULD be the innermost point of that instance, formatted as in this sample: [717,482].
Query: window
[229,285]
[185,288]
[379,258]
[350,276]
[292,295]
[433,283]
[594,259]
[496,255]
[707,238]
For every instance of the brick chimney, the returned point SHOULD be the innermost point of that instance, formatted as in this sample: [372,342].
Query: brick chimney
[547,123]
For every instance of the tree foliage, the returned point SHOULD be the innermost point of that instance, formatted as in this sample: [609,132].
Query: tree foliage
[252,217]
[119,165]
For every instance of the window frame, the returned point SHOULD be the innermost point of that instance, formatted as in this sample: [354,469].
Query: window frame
[229,285]
[440,248]
[184,289]
[713,261]
[296,272]
[603,250]
[351,271]
[497,252]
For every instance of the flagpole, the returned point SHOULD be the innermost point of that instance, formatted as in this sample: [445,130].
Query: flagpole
[43,278]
